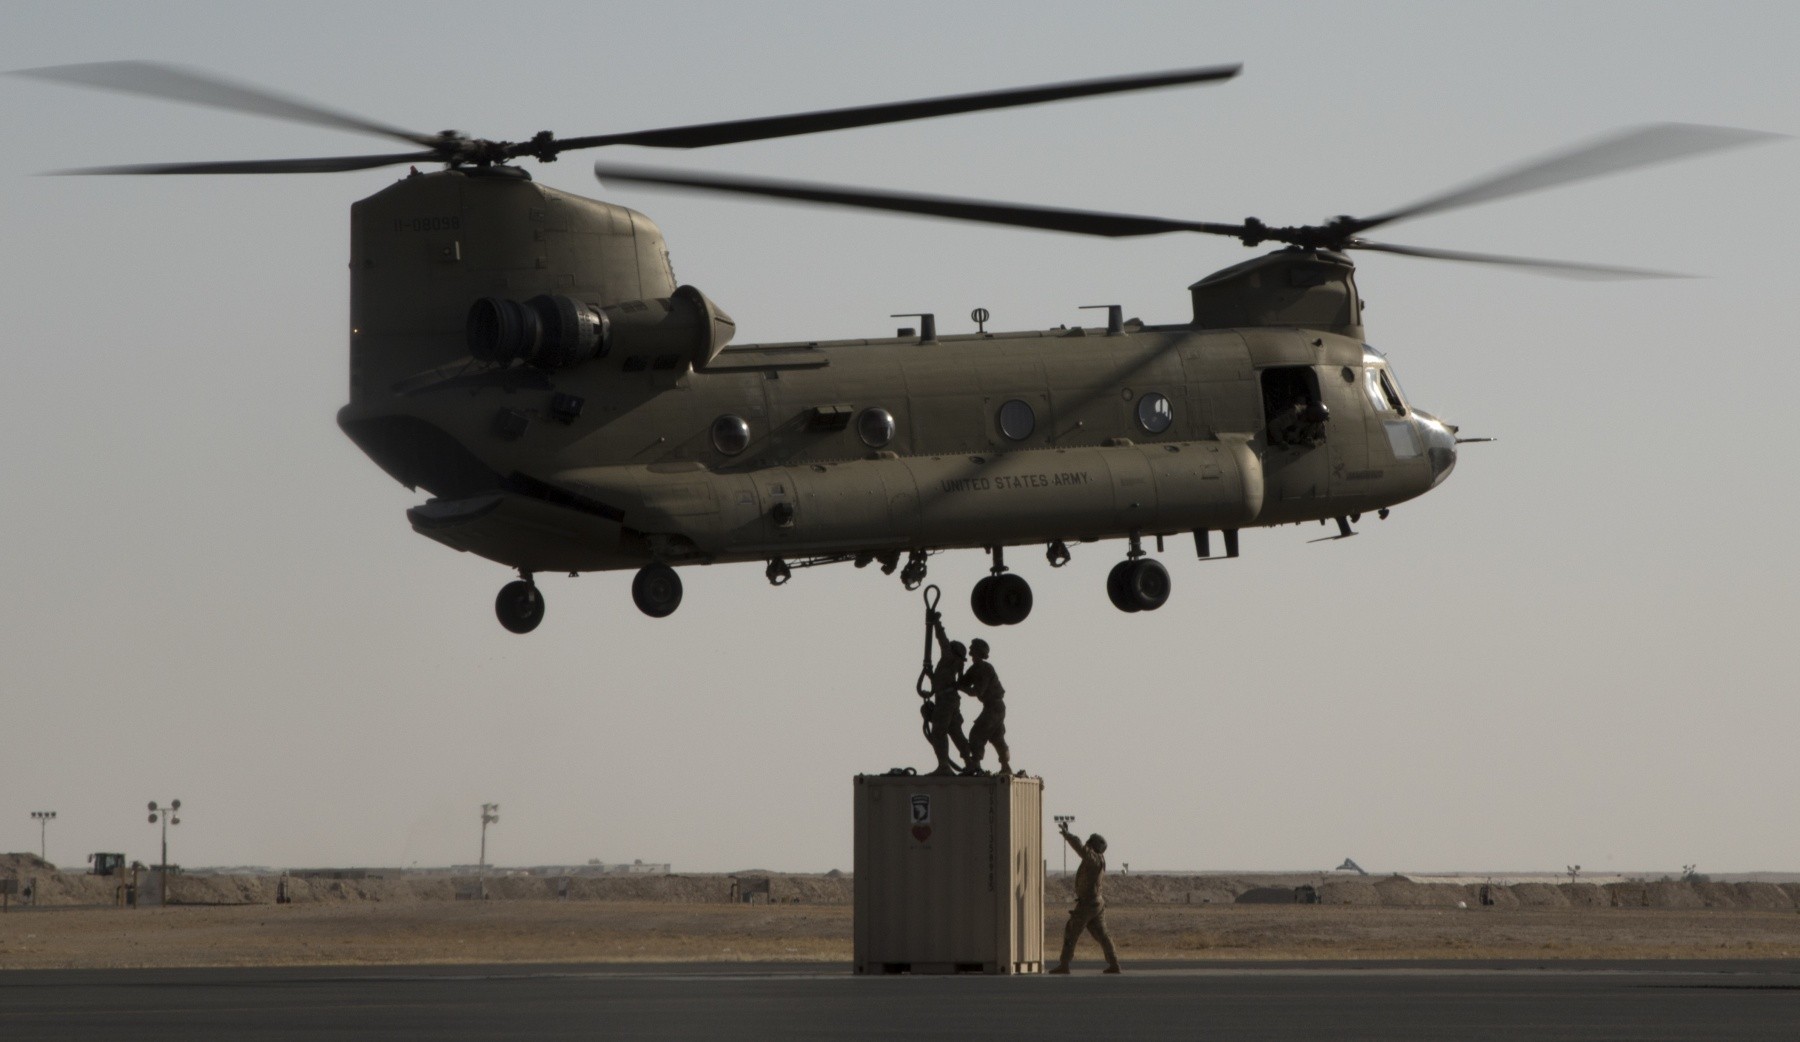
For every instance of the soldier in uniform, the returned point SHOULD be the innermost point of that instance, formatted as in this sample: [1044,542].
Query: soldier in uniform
[981,681]
[946,709]
[1089,912]
[1287,424]
[1300,423]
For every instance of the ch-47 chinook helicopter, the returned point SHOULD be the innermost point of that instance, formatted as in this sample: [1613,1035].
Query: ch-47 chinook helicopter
[527,357]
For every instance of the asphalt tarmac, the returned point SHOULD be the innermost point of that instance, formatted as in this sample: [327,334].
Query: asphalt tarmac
[1338,1001]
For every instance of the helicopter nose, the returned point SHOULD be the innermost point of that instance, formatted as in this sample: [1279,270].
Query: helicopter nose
[1440,446]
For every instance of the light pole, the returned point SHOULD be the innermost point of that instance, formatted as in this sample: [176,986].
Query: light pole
[1061,820]
[490,813]
[43,817]
[166,815]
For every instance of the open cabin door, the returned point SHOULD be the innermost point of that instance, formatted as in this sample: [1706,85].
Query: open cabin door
[1296,433]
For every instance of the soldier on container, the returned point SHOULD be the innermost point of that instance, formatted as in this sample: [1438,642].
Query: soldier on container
[1089,912]
[946,724]
[981,681]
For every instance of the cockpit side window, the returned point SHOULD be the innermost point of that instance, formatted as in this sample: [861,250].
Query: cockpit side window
[1381,390]
[1393,395]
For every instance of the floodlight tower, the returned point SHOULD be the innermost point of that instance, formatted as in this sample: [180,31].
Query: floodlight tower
[43,818]
[1061,820]
[490,813]
[166,815]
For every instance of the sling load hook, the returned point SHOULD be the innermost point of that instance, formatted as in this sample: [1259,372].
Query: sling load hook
[923,687]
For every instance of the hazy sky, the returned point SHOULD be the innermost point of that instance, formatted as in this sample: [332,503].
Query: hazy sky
[1579,649]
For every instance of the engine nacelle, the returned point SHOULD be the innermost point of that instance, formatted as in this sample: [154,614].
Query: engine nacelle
[685,323]
[550,332]
[556,331]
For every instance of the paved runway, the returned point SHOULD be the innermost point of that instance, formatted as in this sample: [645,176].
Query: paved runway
[1336,1001]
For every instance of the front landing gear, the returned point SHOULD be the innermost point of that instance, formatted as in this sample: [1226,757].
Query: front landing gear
[656,590]
[520,606]
[1001,599]
[1138,583]
[1141,585]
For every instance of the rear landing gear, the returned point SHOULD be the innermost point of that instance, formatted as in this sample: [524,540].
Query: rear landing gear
[656,590]
[1001,599]
[520,606]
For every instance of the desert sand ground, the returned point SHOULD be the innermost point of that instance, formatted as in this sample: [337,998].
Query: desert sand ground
[632,931]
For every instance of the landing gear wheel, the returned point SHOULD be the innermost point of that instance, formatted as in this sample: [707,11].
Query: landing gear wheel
[1010,597]
[1149,583]
[656,590]
[520,606]
[1115,588]
[981,602]
[1140,585]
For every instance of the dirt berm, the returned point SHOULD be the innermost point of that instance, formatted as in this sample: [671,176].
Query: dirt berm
[51,887]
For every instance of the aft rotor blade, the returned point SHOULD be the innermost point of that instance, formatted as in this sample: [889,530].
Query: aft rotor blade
[318,165]
[174,83]
[1080,222]
[1559,269]
[702,135]
[1643,146]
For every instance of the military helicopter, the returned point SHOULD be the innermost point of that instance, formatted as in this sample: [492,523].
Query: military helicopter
[527,357]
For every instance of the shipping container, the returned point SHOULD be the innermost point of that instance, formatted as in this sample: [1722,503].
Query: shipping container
[949,874]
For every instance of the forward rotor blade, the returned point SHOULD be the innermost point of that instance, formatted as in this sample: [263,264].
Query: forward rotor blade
[173,83]
[319,165]
[1643,146]
[702,135]
[1080,222]
[1558,269]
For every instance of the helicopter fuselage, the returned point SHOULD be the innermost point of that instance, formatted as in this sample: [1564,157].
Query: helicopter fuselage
[665,446]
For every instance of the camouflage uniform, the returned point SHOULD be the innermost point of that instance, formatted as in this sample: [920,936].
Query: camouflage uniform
[1089,912]
[946,709]
[981,681]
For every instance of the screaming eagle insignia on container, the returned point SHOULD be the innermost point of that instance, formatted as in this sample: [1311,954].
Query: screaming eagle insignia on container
[921,816]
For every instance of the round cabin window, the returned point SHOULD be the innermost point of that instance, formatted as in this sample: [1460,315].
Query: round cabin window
[1154,413]
[1017,421]
[875,427]
[730,434]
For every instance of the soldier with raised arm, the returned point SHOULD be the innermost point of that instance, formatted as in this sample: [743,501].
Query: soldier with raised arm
[1089,912]
[946,709]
